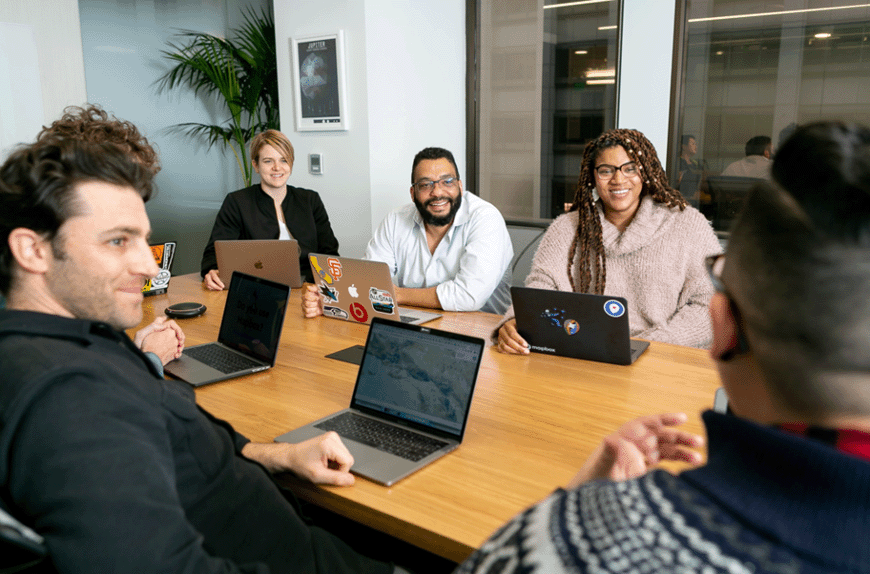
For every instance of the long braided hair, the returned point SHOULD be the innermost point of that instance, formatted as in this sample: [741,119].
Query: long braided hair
[589,239]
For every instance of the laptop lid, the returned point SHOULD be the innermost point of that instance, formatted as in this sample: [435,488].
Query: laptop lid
[577,325]
[359,290]
[415,378]
[273,259]
[251,327]
[164,254]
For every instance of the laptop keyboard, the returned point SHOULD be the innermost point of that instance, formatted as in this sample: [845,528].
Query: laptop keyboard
[382,436]
[221,359]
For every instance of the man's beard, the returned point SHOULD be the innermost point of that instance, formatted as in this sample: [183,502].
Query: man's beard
[434,220]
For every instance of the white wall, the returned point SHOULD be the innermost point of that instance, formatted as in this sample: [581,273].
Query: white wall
[405,79]
[42,75]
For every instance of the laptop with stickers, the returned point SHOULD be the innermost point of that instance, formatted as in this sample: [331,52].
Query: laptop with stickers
[359,290]
[411,401]
[273,259]
[577,325]
[249,334]
[164,254]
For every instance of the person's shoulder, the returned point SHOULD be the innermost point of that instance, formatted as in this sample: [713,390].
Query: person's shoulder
[302,192]
[244,195]
[479,208]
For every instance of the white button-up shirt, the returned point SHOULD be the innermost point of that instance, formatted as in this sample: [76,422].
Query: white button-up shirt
[470,268]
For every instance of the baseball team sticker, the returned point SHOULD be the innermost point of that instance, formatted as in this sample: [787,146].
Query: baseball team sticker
[381,300]
[334,267]
[358,312]
[614,308]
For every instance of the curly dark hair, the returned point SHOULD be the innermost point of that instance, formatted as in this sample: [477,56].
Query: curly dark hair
[93,124]
[589,239]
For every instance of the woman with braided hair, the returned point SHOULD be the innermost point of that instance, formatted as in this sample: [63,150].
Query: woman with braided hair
[640,240]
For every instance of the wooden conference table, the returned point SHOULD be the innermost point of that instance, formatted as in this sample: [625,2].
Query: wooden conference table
[533,422]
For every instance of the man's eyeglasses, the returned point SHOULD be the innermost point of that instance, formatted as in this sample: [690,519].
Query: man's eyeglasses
[607,171]
[715,266]
[426,185]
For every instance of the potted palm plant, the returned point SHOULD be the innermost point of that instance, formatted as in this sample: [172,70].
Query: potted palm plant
[242,73]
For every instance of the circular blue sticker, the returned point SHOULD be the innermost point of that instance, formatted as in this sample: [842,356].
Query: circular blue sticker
[614,308]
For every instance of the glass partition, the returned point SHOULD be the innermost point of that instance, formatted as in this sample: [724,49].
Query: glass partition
[752,72]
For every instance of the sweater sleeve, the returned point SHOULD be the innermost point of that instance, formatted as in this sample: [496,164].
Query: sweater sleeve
[690,323]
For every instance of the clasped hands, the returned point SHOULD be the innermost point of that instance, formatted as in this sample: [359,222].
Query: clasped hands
[163,337]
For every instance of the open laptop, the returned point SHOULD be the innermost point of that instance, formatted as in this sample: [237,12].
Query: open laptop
[248,338]
[577,325]
[273,259]
[411,401]
[359,290]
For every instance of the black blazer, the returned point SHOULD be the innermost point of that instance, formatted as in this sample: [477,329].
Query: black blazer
[250,214]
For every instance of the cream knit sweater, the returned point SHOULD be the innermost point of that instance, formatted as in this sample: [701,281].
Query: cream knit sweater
[657,264]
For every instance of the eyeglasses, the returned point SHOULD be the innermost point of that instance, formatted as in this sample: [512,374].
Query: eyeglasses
[606,171]
[427,185]
[715,266]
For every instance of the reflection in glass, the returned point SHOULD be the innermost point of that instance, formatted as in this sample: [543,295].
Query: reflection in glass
[760,69]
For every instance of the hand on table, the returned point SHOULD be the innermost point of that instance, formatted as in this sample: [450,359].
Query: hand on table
[637,446]
[212,281]
[509,340]
[323,459]
[163,337]
[312,303]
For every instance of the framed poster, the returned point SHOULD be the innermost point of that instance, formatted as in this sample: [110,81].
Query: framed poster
[319,75]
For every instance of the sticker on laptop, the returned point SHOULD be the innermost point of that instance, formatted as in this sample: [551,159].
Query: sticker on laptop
[614,308]
[334,267]
[555,316]
[329,294]
[382,301]
[571,326]
[359,312]
[319,270]
[335,312]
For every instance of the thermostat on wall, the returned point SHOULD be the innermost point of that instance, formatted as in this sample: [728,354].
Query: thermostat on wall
[315,164]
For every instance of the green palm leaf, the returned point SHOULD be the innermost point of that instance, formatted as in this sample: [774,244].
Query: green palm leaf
[242,74]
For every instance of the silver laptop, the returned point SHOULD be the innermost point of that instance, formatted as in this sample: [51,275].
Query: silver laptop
[577,325]
[360,290]
[411,401]
[248,338]
[273,259]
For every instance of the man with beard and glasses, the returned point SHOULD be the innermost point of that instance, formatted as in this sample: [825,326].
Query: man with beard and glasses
[448,250]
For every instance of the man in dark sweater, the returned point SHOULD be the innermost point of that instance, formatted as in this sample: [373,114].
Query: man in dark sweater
[117,468]
[786,487]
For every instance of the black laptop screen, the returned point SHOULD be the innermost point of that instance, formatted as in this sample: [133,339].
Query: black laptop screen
[419,375]
[253,316]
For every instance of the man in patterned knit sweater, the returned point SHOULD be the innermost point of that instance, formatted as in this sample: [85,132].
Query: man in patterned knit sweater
[786,487]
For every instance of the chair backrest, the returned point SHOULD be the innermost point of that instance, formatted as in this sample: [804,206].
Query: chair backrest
[727,195]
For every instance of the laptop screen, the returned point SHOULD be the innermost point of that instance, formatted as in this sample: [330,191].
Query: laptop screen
[419,375]
[253,316]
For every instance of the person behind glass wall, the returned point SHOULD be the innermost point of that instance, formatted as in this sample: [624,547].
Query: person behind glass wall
[756,163]
[691,171]
[640,240]
[271,210]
